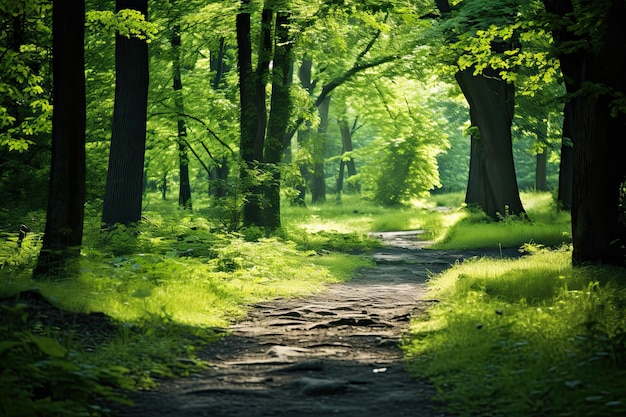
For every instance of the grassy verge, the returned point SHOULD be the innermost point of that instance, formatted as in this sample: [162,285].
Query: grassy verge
[526,337]
[164,288]
[466,229]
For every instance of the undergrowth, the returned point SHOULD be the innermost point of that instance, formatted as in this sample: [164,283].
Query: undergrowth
[168,285]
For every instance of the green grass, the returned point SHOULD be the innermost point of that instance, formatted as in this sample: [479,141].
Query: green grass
[471,229]
[531,336]
[169,284]
[523,337]
[357,215]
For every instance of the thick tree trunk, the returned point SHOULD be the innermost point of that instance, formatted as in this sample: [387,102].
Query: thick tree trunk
[66,198]
[597,176]
[122,198]
[494,186]
[598,166]
[280,114]
[318,190]
[184,190]
[473,192]
[564,197]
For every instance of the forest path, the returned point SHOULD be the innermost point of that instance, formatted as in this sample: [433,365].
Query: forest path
[333,353]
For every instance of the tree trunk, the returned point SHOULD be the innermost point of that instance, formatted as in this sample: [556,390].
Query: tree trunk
[346,141]
[598,166]
[494,187]
[253,117]
[217,64]
[318,190]
[304,135]
[184,190]
[248,113]
[66,199]
[565,168]
[473,192]
[122,197]
[280,115]
[541,158]
[541,171]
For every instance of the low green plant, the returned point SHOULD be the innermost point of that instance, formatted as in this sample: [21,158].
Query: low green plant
[530,336]
[41,376]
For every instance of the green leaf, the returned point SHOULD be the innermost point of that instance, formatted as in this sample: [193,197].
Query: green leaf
[8,344]
[48,346]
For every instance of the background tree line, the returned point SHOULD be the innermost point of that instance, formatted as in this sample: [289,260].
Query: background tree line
[257,101]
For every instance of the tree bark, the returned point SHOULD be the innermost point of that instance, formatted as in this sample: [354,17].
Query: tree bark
[541,171]
[249,123]
[598,167]
[218,65]
[184,190]
[304,135]
[541,158]
[66,198]
[253,117]
[280,115]
[346,141]
[492,182]
[318,190]
[564,197]
[123,193]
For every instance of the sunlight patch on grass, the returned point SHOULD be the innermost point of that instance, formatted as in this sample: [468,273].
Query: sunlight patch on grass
[465,229]
[197,291]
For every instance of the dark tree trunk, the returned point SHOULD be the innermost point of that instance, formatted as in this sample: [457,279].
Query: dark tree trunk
[304,135]
[346,141]
[541,159]
[253,117]
[473,192]
[66,198]
[494,187]
[280,114]
[565,168]
[599,147]
[248,113]
[318,189]
[218,65]
[218,177]
[541,171]
[122,197]
[184,191]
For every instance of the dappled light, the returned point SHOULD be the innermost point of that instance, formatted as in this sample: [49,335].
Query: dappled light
[363,208]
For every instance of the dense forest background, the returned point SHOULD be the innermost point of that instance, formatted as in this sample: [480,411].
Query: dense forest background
[245,104]
[165,165]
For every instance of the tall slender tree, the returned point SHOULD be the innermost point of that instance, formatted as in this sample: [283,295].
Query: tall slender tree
[66,198]
[124,184]
[281,108]
[184,189]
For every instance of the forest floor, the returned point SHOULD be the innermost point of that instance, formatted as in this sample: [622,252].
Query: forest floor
[333,353]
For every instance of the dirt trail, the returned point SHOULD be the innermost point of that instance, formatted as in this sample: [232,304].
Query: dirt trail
[333,353]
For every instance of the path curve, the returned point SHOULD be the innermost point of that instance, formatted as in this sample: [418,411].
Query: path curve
[333,353]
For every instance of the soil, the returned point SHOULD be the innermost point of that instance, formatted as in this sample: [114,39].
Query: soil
[334,353]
